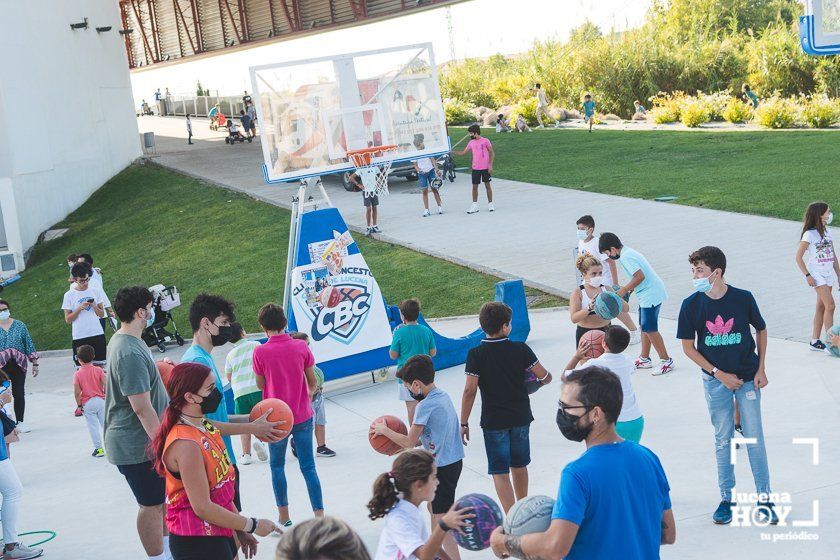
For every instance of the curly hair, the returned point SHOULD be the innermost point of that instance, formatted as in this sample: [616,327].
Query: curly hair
[586,261]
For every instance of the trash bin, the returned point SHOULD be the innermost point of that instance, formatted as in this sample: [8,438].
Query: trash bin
[149,142]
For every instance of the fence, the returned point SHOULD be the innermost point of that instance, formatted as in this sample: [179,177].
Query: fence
[201,105]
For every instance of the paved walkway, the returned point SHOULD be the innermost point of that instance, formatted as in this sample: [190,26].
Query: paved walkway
[87,502]
[532,233]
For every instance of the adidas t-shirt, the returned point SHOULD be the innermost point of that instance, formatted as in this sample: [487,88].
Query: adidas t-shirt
[721,328]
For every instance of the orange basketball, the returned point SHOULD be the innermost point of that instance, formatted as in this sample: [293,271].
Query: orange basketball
[381,443]
[596,343]
[280,412]
[165,371]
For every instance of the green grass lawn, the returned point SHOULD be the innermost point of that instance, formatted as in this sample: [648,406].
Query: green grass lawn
[149,225]
[770,173]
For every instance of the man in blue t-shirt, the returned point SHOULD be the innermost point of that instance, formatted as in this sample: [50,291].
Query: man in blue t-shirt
[714,326]
[613,501]
[436,427]
[650,291]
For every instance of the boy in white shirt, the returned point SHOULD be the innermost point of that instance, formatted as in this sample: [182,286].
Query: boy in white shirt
[630,422]
[427,175]
[588,243]
[83,306]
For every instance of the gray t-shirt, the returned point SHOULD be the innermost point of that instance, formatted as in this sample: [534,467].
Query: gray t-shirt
[441,434]
[131,371]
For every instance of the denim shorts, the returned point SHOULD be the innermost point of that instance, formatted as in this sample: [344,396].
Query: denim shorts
[506,449]
[649,318]
[319,410]
[425,180]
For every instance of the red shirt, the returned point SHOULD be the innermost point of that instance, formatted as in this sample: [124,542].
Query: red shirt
[89,379]
[281,362]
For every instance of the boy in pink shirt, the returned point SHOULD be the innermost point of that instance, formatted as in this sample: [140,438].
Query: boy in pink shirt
[285,370]
[482,165]
[89,390]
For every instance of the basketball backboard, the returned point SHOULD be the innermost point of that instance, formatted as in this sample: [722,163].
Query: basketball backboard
[312,111]
[819,28]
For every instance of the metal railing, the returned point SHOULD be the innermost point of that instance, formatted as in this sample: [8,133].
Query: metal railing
[200,105]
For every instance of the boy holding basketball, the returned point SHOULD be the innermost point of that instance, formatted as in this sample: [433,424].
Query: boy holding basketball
[436,426]
[650,290]
[410,339]
[482,165]
[630,422]
[496,368]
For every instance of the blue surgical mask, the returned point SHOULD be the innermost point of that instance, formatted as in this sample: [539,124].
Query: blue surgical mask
[703,285]
[151,320]
[5,314]
[581,233]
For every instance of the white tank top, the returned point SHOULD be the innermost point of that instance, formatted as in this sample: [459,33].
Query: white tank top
[584,297]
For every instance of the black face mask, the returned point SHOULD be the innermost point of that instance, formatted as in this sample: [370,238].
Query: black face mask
[614,257]
[416,396]
[569,427]
[225,332]
[211,402]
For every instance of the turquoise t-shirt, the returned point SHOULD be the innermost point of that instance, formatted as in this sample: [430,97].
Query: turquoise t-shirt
[753,97]
[198,355]
[651,292]
[589,108]
[410,340]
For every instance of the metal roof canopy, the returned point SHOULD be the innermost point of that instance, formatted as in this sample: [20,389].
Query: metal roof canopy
[167,30]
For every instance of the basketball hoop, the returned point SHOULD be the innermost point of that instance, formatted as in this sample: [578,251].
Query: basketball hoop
[372,166]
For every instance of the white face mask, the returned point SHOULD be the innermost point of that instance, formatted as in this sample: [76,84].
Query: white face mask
[596,281]
[830,218]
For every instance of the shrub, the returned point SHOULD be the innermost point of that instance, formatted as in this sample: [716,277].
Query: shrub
[666,107]
[715,103]
[737,111]
[693,112]
[776,112]
[457,111]
[820,112]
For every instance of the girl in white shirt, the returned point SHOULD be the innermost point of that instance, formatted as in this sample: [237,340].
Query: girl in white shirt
[397,496]
[822,269]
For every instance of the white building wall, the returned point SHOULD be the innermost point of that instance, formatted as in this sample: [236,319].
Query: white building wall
[67,121]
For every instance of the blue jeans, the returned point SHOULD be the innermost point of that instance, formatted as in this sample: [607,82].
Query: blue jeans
[722,411]
[507,449]
[302,434]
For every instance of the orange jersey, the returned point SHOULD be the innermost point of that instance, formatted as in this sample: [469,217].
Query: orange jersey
[180,518]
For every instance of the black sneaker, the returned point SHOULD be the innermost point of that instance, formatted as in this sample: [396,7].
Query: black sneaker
[767,511]
[294,449]
[817,346]
[324,451]
[723,514]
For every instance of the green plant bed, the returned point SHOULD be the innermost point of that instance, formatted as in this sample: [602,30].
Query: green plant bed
[149,225]
[769,173]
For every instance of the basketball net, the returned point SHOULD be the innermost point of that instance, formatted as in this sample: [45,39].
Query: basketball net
[373,166]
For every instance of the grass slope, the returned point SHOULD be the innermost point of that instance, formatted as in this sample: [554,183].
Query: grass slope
[148,225]
[769,173]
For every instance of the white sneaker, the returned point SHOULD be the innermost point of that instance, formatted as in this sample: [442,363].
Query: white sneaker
[635,336]
[23,428]
[557,124]
[245,459]
[540,126]
[665,366]
[473,209]
[22,552]
[426,213]
[262,452]
[490,207]
[440,209]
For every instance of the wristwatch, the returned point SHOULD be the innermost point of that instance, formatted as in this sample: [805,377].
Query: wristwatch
[444,527]
[713,371]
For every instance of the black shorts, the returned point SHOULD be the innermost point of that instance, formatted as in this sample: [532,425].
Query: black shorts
[98,343]
[202,548]
[480,176]
[448,481]
[148,487]
[580,331]
[237,499]
[371,200]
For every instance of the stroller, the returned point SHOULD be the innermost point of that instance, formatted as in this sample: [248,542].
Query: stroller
[447,167]
[164,300]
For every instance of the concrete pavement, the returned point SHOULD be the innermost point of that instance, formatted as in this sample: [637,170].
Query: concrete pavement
[532,233]
[87,502]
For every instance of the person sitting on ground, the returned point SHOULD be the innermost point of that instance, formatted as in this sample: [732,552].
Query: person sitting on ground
[522,125]
[325,538]
[501,124]
[640,112]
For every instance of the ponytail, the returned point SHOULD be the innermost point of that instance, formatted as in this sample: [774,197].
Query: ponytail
[409,467]
[185,378]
